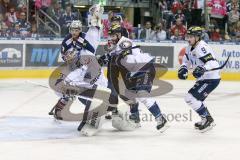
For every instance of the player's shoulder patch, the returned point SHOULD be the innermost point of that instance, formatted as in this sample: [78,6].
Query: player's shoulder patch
[125,44]
[81,38]
[69,41]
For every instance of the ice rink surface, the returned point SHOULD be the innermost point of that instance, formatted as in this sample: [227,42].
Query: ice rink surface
[27,132]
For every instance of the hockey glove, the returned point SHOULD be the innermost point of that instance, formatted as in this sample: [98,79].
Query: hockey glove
[183,72]
[104,59]
[198,71]
[135,75]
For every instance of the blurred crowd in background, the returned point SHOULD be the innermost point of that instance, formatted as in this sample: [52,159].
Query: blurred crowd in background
[18,19]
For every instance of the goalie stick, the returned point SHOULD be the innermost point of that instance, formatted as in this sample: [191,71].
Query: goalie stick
[43,86]
[124,98]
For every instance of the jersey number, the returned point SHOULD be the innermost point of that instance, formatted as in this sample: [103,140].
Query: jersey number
[204,50]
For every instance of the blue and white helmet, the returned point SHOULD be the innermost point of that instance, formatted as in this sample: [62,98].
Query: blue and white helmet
[76,24]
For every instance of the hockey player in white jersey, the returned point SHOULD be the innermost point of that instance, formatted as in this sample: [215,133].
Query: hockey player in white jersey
[201,58]
[138,71]
[78,51]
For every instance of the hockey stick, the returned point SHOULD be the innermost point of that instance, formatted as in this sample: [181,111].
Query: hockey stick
[125,99]
[221,67]
[87,98]
[51,111]
[36,84]
[43,86]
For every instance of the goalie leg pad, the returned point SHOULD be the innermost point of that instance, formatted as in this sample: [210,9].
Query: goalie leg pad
[122,123]
[61,104]
[90,129]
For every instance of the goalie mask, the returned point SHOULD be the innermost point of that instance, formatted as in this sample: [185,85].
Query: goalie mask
[70,55]
[75,28]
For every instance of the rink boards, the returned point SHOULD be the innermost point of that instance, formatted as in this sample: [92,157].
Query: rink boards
[45,73]
[38,58]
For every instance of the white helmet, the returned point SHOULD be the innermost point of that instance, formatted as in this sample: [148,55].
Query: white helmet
[96,10]
[76,24]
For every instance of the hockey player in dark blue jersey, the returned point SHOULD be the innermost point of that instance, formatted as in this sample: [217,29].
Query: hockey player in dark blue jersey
[78,51]
[75,41]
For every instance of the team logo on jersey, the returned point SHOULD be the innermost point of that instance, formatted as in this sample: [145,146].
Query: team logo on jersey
[125,45]
[84,44]
[193,53]
[205,94]
[208,57]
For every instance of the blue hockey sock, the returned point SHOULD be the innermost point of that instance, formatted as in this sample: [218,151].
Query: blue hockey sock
[202,111]
[155,110]
[134,108]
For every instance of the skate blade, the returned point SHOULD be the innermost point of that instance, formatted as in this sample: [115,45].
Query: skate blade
[164,128]
[108,118]
[56,121]
[208,128]
[88,132]
[138,125]
[196,128]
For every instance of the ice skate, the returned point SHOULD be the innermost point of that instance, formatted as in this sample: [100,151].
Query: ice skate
[134,117]
[162,124]
[206,124]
